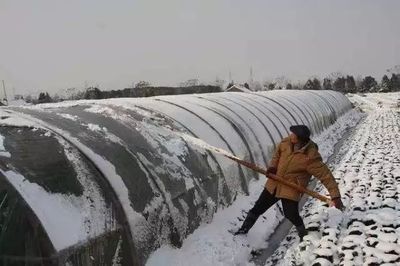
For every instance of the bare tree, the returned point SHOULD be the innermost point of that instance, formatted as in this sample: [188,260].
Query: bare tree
[219,82]
[336,75]
[395,69]
[256,86]
[190,83]
[281,81]
[143,84]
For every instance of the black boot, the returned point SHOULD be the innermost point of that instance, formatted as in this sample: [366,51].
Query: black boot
[247,224]
[301,231]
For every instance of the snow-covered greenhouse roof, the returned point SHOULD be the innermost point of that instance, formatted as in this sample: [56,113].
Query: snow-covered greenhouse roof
[109,181]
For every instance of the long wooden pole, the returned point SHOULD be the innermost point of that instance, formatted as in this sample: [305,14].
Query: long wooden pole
[279,179]
[254,167]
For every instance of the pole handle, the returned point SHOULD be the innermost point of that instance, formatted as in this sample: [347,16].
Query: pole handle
[260,170]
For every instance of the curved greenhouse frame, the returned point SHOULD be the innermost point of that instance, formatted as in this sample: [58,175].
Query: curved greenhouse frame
[107,182]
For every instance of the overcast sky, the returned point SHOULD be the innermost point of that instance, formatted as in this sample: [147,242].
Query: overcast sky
[52,44]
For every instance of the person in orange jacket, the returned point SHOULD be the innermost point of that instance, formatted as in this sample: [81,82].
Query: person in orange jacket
[295,159]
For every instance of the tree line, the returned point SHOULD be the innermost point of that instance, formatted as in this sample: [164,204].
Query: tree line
[347,84]
[141,89]
[341,83]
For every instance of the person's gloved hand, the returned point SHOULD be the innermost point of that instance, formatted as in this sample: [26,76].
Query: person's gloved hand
[337,203]
[271,170]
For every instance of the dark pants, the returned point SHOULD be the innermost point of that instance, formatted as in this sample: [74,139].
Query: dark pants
[290,207]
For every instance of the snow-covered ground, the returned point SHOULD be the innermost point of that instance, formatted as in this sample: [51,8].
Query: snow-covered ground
[368,172]
[212,244]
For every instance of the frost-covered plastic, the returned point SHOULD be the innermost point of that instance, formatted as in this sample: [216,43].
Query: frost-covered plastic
[107,182]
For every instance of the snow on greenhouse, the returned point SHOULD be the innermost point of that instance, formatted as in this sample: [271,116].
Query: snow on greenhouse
[107,182]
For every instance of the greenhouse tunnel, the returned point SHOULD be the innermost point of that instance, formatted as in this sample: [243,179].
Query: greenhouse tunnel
[107,182]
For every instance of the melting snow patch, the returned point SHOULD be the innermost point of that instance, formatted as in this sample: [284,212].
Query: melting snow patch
[68,116]
[94,127]
[10,118]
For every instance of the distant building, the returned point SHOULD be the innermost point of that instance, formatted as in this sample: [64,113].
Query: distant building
[238,88]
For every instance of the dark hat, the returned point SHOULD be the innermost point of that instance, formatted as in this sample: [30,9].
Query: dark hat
[302,132]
